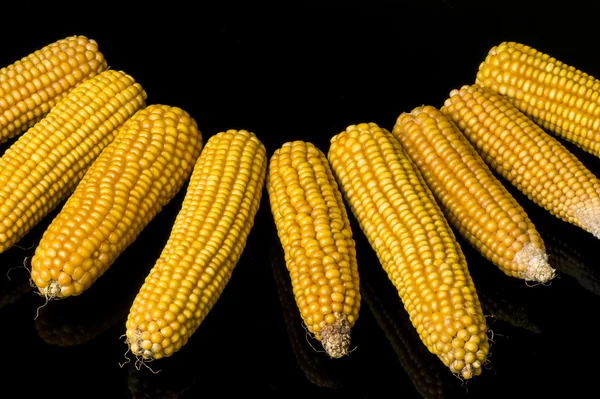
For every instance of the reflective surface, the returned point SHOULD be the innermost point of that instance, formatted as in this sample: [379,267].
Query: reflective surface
[306,77]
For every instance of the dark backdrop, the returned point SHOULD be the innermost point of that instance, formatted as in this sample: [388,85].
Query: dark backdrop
[303,73]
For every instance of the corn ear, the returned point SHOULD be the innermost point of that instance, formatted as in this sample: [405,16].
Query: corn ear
[315,234]
[205,244]
[536,163]
[31,86]
[557,96]
[126,186]
[472,198]
[414,243]
[43,167]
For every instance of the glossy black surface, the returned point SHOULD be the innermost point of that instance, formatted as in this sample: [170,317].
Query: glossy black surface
[305,75]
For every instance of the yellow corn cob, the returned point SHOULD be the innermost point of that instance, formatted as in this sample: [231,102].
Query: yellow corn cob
[41,169]
[533,161]
[127,185]
[472,198]
[414,243]
[314,230]
[562,99]
[206,242]
[31,86]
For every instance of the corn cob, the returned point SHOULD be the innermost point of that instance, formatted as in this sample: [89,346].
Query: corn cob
[127,185]
[414,243]
[472,198]
[314,230]
[41,169]
[521,152]
[31,86]
[206,242]
[560,98]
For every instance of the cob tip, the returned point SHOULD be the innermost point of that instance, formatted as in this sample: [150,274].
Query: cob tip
[133,340]
[535,261]
[50,292]
[588,216]
[335,337]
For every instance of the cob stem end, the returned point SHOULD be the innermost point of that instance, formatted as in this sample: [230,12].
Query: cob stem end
[51,291]
[134,345]
[588,216]
[335,337]
[536,264]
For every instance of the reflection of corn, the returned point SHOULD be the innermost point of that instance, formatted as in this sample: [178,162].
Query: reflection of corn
[143,384]
[31,86]
[315,233]
[529,158]
[414,243]
[54,330]
[500,307]
[473,199]
[314,366]
[557,96]
[14,289]
[497,300]
[566,258]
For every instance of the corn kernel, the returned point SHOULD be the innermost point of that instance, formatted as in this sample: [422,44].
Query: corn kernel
[304,197]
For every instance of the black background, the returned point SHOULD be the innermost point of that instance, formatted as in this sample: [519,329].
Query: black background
[304,73]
